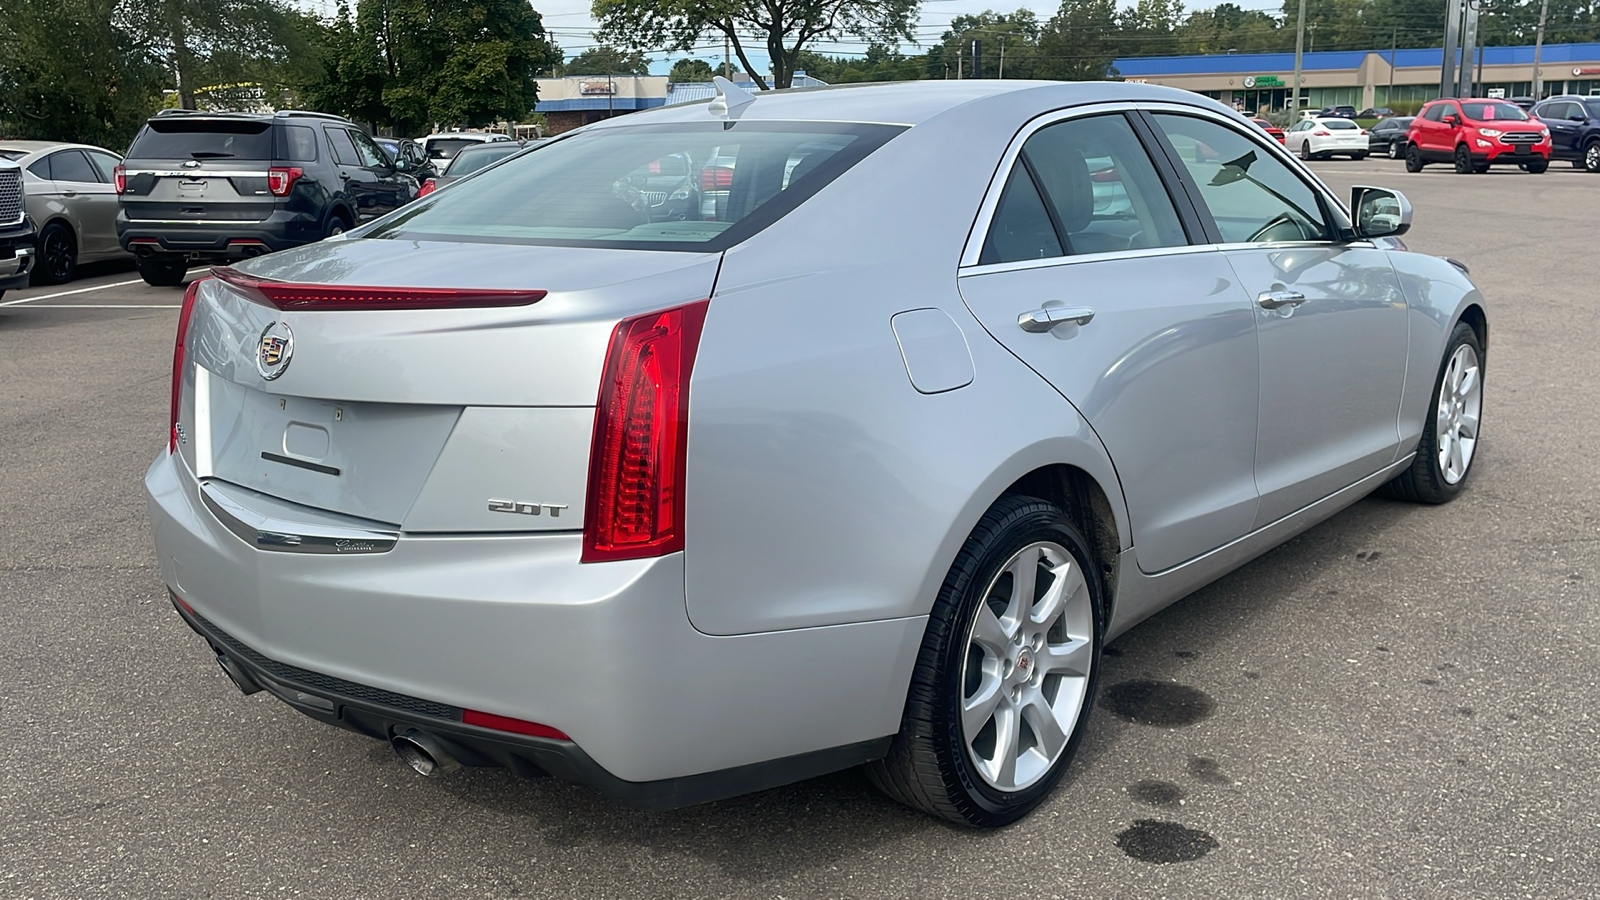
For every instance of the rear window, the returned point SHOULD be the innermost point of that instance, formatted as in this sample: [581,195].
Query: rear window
[13,154]
[182,138]
[447,148]
[1493,112]
[662,187]
[469,161]
[1338,124]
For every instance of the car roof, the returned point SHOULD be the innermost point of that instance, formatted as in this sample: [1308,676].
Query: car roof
[910,102]
[34,148]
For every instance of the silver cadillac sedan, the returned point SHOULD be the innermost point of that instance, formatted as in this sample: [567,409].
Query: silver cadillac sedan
[853,448]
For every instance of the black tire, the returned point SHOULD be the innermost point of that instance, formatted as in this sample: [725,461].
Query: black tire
[1463,160]
[1397,149]
[928,766]
[1357,157]
[1578,164]
[1538,167]
[1414,161]
[1305,150]
[1424,481]
[1591,157]
[58,256]
[338,223]
[1480,168]
[159,272]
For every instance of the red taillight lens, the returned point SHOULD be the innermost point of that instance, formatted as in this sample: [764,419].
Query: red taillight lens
[506,723]
[716,178]
[281,179]
[1320,133]
[336,297]
[177,360]
[641,430]
[119,176]
[427,188]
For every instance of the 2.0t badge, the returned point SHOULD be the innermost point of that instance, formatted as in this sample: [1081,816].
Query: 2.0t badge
[273,350]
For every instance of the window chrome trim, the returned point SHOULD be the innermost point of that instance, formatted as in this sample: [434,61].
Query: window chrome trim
[1080,258]
[991,198]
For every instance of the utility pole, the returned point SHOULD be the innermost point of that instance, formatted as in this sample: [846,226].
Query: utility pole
[1452,36]
[1469,46]
[1311,45]
[1538,50]
[1394,46]
[1003,53]
[977,58]
[1299,46]
[727,66]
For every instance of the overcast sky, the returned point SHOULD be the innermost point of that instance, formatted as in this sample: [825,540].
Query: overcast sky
[569,23]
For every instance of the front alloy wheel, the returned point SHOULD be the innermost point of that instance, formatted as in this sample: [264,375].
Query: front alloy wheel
[1395,150]
[1591,157]
[1450,435]
[1005,678]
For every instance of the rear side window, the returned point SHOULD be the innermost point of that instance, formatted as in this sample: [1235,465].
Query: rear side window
[72,165]
[186,138]
[297,143]
[1021,229]
[680,186]
[344,150]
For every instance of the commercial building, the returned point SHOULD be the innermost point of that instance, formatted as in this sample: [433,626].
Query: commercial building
[1364,78]
[574,101]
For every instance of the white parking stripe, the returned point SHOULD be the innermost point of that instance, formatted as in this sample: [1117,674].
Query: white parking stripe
[98,287]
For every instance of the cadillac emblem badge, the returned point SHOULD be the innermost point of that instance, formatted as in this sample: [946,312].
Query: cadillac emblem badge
[273,350]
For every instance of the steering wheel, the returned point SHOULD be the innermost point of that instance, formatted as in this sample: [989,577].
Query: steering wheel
[1283,222]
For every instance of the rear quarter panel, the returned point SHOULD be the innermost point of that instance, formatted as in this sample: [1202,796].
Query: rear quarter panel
[823,488]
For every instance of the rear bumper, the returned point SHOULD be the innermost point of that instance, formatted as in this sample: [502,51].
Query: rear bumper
[514,625]
[16,255]
[218,240]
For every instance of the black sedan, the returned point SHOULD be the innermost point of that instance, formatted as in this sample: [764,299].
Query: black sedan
[1388,137]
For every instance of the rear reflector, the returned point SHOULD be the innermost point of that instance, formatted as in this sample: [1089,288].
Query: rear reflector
[516,726]
[635,503]
[177,360]
[338,297]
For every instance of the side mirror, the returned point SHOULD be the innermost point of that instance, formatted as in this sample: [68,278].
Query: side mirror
[402,164]
[1379,212]
[1452,121]
[1578,117]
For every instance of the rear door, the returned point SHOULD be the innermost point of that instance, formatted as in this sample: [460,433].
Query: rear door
[200,169]
[1330,316]
[91,200]
[390,187]
[1154,341]
[361,186]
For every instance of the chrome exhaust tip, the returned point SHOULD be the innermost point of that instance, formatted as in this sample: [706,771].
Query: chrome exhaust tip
[236,673]
[424,753]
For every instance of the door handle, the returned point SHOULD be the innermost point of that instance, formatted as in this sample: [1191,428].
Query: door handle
[1275,299]
[345,176]
[69,193]
[1040,320]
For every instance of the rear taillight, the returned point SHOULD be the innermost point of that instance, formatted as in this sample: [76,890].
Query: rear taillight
[716,178]
[281,179]
[119,177]
[1320,133]
[337,297]
[177,360]
[635,504]
[427,188]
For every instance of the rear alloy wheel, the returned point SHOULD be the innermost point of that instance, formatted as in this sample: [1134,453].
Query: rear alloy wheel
[1396,151]
[1591,157]
[1006,675]
[1463,160]
[159,272]
[1305,150]
[58,255]
[1414,161]
[1450,436]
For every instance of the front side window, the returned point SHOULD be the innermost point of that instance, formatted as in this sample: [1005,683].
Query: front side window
[682,186]
[372,156]
[1252,195]
[1436,112]
[105,165]
[344,150]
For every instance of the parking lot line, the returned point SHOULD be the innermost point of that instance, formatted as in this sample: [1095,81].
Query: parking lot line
[98,287]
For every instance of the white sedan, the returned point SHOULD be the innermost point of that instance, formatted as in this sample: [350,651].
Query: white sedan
[1321,138]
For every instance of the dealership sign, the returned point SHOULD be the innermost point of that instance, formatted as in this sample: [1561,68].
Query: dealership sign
[1586,70]
[1252,81]
[597,87]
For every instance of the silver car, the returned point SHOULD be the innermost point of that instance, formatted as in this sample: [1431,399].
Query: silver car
[71,196]
[864,469]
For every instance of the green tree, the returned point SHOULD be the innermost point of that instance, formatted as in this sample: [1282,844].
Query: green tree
[68,74]
[786,26]
[1009,37]
[881,62]
[690,70]
[209,43]
[1079,41]
[604,60]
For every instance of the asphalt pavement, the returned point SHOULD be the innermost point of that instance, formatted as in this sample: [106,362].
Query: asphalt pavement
[1400,703]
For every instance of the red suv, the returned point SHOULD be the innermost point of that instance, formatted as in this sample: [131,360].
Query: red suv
[1475,134]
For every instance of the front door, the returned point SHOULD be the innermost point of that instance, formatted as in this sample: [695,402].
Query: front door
[1330,318]
[1155,341]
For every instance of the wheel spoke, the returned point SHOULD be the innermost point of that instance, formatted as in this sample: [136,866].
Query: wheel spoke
[1458,464]
[989,633]
[1007,723]
[1024,582]
[1042,720]
[1071,659]
[1065,581]
[1469,380]
[1469,426]
[978,709]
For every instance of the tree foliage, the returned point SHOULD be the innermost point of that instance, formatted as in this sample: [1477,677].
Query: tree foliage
[787,27]
[690,70]
[411,64]
[604,60]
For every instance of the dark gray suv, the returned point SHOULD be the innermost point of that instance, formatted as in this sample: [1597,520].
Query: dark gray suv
[217,187]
